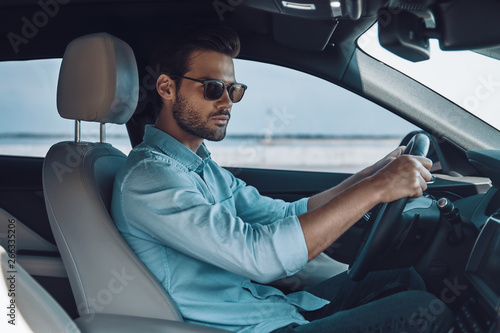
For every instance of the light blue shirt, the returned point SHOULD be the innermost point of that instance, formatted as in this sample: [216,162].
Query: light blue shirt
[206,236]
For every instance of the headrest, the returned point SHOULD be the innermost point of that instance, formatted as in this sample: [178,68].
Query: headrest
[98,80]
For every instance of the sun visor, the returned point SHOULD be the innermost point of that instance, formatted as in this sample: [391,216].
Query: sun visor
[303,34]
[468,24]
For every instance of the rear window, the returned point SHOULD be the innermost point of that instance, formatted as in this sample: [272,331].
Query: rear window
[30,122]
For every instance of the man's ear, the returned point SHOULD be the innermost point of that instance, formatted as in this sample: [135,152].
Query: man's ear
[165,87]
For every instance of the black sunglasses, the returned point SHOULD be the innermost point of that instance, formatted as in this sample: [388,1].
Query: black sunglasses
[213,89]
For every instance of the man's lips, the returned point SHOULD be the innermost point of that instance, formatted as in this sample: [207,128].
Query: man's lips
[221,119]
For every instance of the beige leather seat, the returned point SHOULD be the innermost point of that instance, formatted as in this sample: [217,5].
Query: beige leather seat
[34,310]
[98,82]
[26,306]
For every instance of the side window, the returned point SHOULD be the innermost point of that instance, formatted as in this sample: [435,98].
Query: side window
[30,122]
[294,121]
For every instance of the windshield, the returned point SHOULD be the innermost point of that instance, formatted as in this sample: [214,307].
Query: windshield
[466,78]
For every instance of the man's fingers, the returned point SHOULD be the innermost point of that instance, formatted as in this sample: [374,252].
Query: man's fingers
[426,167]
[423,165]
[395,153]
[423,184]
[427,163]
[406,176]
[420,188]
[424,176]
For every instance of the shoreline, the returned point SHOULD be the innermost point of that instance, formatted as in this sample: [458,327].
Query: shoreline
[306,154]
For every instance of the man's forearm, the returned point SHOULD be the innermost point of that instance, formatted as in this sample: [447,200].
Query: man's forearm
[324,224]
[321,198]
[404,177]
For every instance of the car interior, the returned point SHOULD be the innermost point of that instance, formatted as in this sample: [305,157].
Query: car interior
[72,269]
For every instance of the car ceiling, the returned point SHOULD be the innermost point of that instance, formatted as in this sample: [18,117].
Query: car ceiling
[143,23]
[260,23]
[269,31]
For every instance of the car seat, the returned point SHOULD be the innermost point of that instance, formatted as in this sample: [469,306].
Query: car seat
[98,82]
[28,307]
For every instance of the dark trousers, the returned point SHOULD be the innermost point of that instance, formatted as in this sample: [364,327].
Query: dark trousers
[385,301]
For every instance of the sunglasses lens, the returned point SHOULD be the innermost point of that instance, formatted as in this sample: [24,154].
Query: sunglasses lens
[214,90]
[236,92]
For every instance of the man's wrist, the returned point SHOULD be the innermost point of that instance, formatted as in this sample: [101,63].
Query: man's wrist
[367,172]
[375,188]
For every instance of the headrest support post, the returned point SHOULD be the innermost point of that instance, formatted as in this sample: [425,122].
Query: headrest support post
[78,130]
[103,133]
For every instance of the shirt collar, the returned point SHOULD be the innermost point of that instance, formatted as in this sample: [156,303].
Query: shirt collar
[176,150]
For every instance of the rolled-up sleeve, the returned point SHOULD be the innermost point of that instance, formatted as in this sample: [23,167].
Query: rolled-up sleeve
[253,207]
[166,204]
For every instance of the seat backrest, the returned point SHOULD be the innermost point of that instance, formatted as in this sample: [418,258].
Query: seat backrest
[28,307]
[98,82]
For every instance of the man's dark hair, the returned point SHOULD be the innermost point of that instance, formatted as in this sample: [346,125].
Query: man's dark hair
[173,54]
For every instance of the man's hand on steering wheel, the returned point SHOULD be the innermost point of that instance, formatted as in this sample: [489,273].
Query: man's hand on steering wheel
[405,176]
[393,155]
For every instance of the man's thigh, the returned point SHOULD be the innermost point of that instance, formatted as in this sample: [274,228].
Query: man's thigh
[344,294]
[407,312]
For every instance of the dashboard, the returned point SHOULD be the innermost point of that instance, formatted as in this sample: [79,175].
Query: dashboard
[481,311]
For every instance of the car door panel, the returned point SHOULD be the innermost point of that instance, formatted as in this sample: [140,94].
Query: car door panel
[288,185]
[293,185]
[25,227]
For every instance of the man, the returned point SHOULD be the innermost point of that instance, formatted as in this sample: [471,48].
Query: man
[213,242]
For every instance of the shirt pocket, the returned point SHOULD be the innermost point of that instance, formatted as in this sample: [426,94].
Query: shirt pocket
[262,291]
[227,200]
[301,299]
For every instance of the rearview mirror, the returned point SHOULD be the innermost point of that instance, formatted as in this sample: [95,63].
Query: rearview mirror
[457,24]
[404,34]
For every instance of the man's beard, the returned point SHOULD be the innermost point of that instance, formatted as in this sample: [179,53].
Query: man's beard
[190,121]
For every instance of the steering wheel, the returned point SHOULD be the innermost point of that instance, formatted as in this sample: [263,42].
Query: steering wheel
[386,223]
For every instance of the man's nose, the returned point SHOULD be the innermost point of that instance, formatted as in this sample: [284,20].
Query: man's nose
[224,102]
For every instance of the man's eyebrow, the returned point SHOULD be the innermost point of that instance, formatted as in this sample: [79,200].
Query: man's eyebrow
[203,78]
